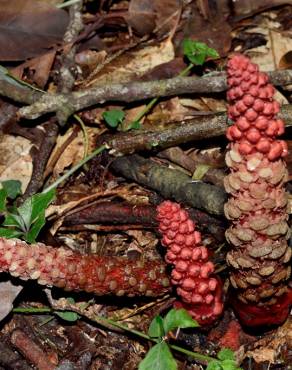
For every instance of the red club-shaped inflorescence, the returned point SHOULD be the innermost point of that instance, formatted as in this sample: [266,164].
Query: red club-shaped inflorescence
[260,256]
[193,274]
[69,270]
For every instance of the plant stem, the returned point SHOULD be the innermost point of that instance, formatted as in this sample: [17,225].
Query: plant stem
[85,134]
[146,109]
[195,355]
[185,71]
[75,168]
[149,106]
[67,3]
[33,310]
[100,320]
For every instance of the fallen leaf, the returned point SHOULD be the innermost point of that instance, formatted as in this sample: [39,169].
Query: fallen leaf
[270,348]
[29,27]
[73,150]
[39,69]
[8,293]
[141,16]
[272,55]
[132,65]
[15,160]
[246,8]
[146,16]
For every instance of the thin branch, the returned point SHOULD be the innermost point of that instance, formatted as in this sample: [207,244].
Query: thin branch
[67,70]
[66,104]
[197,128]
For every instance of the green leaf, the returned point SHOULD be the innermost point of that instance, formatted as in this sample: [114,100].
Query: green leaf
[214,365]
[113,117]
[12,187]
[226,354]
[14,221]
[135,125]
[10,233]
[197,52]
[31,235]
[24,212]
[3,197]
[159,358]
[212,53]
[229,365]
[178,319]
[156,328]
[67,315]
[200,171]
[40,202]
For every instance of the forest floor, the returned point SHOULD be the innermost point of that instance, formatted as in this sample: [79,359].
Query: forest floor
[108,108]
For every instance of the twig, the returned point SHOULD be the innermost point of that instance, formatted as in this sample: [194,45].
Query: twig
[66,104]
[197,128]
[31,350]
[75,26]
[40,153]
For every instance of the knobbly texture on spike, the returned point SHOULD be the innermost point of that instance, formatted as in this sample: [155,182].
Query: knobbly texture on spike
[260,255]
[193,274]
[69,270]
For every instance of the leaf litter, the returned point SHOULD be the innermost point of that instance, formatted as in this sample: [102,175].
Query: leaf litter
[37,63]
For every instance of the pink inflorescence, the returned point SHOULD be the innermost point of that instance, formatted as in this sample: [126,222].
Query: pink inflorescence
[193,273]
[253,110]
[69,270]
[260,255]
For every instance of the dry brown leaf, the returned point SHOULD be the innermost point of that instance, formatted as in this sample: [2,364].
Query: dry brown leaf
[270,348]
[135,64]
[271,55]
[39,68]
[74,151]
[248,7]
[8,293]
[146,15]
[141,16]
[15,160]
[29,27]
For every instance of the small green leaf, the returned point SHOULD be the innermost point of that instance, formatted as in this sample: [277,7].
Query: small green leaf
[159,358]
[3,197]
[178,319]
[14,221]
[25,211]
[113,117]
[31,235]
[10,233]
[229,365]
[197,52]
[226,354]
[156,328]
[40,202]
[214,365]
[12,187]
[212,53]
[68,315]
[135,125]
[200,171]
